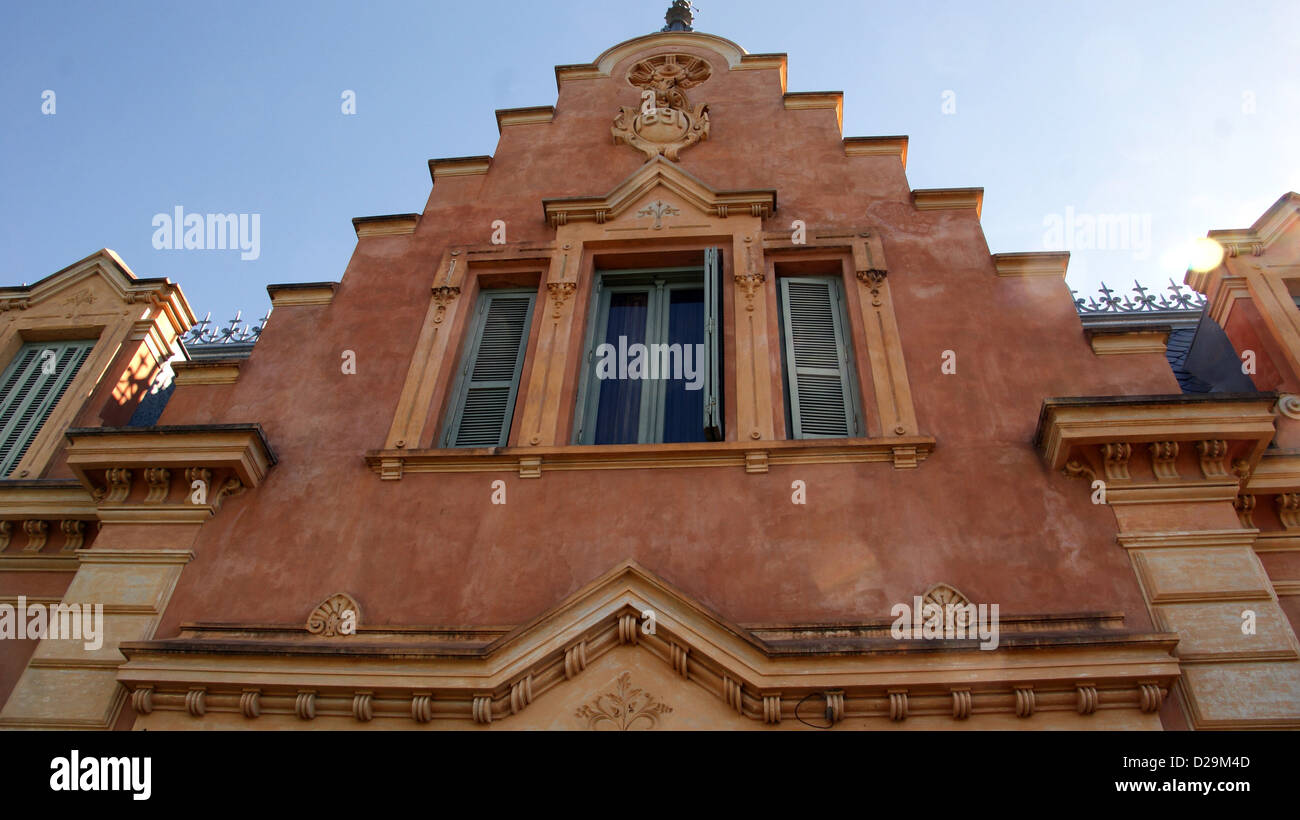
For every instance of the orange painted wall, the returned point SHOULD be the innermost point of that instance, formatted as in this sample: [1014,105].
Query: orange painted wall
[982,513]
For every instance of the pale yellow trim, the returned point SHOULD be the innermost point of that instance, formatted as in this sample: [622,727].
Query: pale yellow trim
[1128,343]
[1041,263]
[459,167]
[524,116]
[945,199]
[877,147]
[814,100]
[205,372]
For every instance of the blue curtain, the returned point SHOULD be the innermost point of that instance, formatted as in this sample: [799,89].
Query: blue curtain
[618,415]
[683,408]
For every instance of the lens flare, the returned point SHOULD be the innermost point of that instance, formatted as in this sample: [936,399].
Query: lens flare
[1206,255]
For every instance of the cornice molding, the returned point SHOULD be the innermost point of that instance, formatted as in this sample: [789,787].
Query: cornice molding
[877,147]
[1052,264]
[1067,422]
[241,449]
[458,167]
[1256,240]
[302,293]
[813,100]
[949,199]
[488,683]
[754,456]
[524,116]
[206,371]
[1119,342]
[388,225]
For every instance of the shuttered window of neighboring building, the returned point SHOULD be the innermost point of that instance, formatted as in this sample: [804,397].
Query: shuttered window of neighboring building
[29,390]
[484,402]
[820,384]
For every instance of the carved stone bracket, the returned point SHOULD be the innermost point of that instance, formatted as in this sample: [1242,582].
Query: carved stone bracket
[250,703]
[575,660]
[627,629]
[835,706]
[733,694]
[36,535]
[680,655]
[304,705]
[1163,456]
[159,480]
[521,694]
[961,703]
[119,485]
[422,708]
[1245,506]
[196,702]
[1115,457]
[1213,453]
[1026,701]
[6,532]
[772,709]
[898,705]
[1086,700]
[73,534]
[1152,697]
[483,709]
[363,706]
[1288,510]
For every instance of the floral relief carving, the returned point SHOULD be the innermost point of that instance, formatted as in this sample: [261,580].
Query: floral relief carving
[623,709]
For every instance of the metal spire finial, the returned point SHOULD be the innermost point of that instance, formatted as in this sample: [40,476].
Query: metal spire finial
[680,16]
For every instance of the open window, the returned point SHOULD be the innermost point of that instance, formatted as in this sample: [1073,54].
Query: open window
[651,373]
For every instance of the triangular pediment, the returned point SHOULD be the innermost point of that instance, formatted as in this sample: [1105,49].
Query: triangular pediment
[102,274]
[659,174]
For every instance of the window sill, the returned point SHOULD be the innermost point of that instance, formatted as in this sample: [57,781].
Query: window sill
[904,452]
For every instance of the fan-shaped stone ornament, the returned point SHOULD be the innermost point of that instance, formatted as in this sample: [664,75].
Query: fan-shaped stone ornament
[943,595]
[337,615]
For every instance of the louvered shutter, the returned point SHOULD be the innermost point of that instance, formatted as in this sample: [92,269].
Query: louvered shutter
[712,345]
[817,360]
[32,385]
[489,380]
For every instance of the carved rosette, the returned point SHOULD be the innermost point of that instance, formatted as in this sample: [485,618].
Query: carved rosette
[328,618]
[666,124]
[623,709]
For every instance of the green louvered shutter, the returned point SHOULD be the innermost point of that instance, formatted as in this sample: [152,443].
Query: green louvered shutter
[712,345]
[822,394]
[30,388]
[489,378]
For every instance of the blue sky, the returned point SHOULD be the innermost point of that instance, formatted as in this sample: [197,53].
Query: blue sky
[1180,115]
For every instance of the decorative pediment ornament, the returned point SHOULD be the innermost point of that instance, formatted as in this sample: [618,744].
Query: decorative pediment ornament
[626,708]
[944,596]
[666,123]
[337,615]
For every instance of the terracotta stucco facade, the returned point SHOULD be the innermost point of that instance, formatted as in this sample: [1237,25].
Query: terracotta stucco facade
[327,481]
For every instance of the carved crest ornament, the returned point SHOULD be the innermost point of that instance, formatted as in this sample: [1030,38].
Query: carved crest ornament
[665,123]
